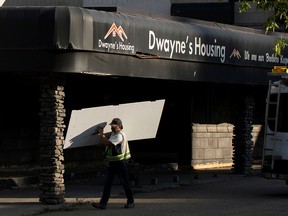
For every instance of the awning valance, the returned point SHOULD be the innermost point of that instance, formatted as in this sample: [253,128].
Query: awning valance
[73,31]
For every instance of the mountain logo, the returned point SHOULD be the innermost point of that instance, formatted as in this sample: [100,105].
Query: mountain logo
[114,30]
[235,53]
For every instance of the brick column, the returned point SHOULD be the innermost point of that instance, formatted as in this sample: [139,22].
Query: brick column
[243,140]
[52,113]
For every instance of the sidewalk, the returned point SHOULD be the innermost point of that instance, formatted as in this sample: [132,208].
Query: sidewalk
[25,201]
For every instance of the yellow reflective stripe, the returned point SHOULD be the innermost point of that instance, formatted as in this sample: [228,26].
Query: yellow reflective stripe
[127,155]
[123,156]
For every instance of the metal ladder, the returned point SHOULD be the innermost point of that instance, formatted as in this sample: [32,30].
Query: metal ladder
[273,131]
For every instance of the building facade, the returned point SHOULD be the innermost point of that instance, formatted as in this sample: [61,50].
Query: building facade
[213,77]
[157,58]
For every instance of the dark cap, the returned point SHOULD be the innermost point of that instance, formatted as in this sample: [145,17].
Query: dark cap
[117,121]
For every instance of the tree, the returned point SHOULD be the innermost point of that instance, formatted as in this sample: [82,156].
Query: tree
[277,21]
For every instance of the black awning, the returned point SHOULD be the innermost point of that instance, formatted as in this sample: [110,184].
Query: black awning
[79,36]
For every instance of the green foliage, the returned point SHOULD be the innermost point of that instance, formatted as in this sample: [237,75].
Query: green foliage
[244,6]
[279,46]
[278,19]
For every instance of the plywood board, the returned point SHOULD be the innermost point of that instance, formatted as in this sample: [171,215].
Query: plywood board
[140,121]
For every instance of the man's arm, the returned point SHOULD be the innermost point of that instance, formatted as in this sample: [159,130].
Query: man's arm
[104,139]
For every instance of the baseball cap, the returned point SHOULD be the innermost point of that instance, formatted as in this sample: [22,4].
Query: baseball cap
[116,121]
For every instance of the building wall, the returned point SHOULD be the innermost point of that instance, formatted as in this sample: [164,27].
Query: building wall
[198,1]
[208,105]
[147,6]
[208,140]
[253,18]
[19,120]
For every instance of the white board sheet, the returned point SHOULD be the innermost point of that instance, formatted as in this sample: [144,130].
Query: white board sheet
[140,121]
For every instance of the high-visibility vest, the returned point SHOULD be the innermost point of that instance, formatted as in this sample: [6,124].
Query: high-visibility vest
[119,152]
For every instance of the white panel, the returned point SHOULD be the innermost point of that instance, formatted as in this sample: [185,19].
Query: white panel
[140,121]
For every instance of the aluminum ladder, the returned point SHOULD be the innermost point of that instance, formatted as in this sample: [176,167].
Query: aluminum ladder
[272,108]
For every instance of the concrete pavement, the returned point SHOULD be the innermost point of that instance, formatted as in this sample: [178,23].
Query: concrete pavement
[81,192]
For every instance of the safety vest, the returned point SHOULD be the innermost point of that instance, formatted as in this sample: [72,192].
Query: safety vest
[118,152]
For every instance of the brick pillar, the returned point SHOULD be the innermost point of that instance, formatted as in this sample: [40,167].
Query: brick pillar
[243,139]
[52,187]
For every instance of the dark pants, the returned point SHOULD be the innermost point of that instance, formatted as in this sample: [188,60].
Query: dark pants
[120,169]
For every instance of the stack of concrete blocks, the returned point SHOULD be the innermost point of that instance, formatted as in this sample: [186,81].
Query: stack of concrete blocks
[52,187]
[212,144]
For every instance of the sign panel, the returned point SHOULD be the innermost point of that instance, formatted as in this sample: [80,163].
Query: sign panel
[188,41]
[140,121]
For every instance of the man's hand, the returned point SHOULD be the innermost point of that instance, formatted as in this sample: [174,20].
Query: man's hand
[99,130]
